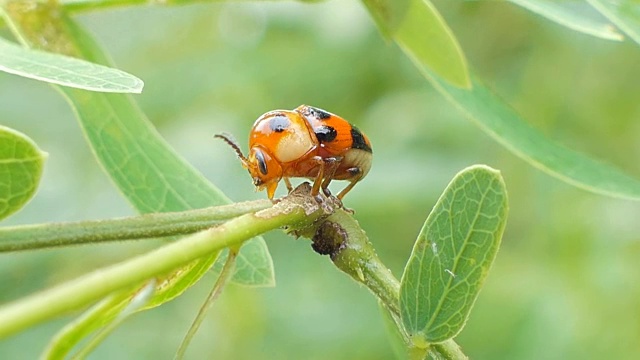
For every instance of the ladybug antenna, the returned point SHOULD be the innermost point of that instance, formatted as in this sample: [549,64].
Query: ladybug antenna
[228,138]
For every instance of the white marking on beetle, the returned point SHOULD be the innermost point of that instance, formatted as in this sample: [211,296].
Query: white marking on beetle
[294,143]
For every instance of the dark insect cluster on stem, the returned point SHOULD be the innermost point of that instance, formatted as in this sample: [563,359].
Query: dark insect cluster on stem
[329,239]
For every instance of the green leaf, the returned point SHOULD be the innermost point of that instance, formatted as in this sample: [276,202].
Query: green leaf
[452,255]
[502,123]
[424,36]
[101,314]
[575,15]
[21,164]
[148,172]
[65,70]
[151,175]
[625,14]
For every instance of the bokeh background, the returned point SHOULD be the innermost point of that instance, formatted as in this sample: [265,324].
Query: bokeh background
[566,282]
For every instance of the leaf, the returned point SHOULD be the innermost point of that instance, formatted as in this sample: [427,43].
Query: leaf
[575,15]
[143,166]
[502,123]
[424,36]
[452,255]
[101,314]
[65,70]
[148,172]
[151,175]
[625,14]
[21,164]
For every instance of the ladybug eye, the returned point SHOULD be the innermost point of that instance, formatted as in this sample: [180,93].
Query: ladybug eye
[262,165]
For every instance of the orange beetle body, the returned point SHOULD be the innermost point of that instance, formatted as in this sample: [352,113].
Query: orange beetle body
[306,142]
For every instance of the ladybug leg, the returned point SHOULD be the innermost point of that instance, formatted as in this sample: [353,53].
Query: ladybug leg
[332,165]
[288,183]
[316,183]
[357,176]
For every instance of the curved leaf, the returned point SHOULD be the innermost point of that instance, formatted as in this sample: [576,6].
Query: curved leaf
[501,121]
[65,70]
[625,14]
[575,15]
[424,36]
[452,255]
[100,315]
[21,164]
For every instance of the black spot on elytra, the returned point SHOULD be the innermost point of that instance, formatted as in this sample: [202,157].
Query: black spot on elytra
[358,140]
[325,133]
[279,123]
[319,113]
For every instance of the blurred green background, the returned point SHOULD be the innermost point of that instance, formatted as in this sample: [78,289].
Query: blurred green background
[566,283]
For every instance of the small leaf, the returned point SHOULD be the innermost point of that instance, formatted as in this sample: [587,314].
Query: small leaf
[65,70]
[452,255]
[625,14]
[575,15]
[501,122]
[21,164]
[425,38]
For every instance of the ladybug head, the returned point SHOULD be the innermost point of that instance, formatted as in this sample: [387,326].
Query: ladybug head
[264,169]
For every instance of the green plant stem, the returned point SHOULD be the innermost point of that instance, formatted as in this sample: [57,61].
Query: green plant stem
[31,237]
[353,254]
[358,259]
[83,291]
[223,278]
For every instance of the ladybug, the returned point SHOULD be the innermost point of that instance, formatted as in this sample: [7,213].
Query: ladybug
[306,142]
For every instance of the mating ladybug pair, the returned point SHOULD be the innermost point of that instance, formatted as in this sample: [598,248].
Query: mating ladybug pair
[306,142]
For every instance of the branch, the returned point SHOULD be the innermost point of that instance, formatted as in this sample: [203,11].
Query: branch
[297,209]
[31,237]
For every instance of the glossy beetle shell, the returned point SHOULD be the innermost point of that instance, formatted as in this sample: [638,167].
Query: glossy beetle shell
[306,142]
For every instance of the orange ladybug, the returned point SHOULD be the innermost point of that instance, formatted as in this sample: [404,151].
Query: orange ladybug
[307,142]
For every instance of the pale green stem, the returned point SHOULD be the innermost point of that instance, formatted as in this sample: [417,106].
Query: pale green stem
[89,288]
[30,237]
[224,276]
